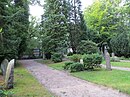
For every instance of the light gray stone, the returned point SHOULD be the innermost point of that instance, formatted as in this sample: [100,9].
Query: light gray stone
[81,61]
[9,78]
[107,58]
[108,64]
[113,55]
[4,65]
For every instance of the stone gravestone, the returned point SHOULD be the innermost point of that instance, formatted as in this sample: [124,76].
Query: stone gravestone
[108,64]
[4,65]
[9,75]
[81,61]
[113,55]
[107,57]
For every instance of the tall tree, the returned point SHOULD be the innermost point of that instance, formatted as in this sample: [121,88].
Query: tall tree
[8,41]
[54,26]
[77,27]
[22,23]
[102,18]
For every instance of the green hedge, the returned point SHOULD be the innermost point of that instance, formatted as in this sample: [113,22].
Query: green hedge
[92,61]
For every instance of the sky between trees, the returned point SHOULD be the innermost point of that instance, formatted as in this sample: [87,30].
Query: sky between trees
[37,11]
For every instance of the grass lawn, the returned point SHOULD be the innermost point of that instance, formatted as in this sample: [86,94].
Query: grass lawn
[116,79]
[119,64]
[25,85]
[58,66]
[47,62]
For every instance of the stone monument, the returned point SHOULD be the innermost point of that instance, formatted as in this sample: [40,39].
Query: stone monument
[107,58]
[9,78]
[4,65]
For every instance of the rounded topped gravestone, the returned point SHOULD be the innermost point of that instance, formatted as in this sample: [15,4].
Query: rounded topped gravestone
[4,65]
[9,75]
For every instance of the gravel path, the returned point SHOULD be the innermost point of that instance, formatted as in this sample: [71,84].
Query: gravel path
[117,68]
[64,85]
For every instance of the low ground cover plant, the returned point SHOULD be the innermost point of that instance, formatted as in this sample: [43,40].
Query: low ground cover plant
[73,66]
[5,93]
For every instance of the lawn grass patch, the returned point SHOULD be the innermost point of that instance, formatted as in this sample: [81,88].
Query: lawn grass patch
[46,62]
[50,63]
[25,85]
[58,66]
[119,64]
[116,79]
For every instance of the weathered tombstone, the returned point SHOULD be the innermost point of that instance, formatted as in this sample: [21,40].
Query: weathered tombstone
[81,61]
[113,55]
[43,56]
[4,65]
[108,64]
[107,57]
[9,75]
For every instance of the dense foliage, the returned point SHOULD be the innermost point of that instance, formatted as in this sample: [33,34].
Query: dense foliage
[63,25]
[67,65]
[75,57]
[121,44]
[74,66]
[14,20]
[54,26]
[108,18]
[87,47]
[92,61]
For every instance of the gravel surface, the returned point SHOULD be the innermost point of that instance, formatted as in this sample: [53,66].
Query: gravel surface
[117,68]
[64,85]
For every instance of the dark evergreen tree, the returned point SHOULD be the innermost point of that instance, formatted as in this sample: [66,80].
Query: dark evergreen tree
[77,27]
[22,24]
[54,26]
[8,40]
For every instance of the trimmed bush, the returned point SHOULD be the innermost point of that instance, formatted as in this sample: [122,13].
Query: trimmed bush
[4,93]
[57,57]
[67,65]
[92,61]
[75,67]
[115,60]
[76,57]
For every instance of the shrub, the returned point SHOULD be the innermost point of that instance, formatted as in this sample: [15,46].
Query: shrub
[75,57]
[76,67]
[70,54]
[87,47]
[4,93]
[92,61]
[115,60]
[67,65]
[122,58]
[57,57]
